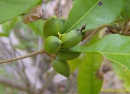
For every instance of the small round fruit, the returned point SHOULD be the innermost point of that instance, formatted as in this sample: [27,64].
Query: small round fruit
[52,44]
[51,27]
[62,55]
[61,67]
[71,39]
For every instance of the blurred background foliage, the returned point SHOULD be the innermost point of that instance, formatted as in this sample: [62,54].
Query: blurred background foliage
[34,75]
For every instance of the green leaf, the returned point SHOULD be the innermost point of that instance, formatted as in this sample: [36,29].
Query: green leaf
[37,27]
[8,26]
[123,74]
[4,34]
[40,2]
[114,47]
[74,64]
[6,29]
[88,82]
[91,13]
[12,8]
[126,9]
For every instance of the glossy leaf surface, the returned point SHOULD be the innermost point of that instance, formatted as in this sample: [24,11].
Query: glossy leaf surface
[93,13]
[114,47]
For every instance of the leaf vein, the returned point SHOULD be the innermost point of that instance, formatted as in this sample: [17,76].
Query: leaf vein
[82,17]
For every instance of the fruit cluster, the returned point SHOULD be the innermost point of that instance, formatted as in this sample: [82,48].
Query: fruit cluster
[54,42]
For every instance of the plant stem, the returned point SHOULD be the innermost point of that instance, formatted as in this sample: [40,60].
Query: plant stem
[22,57]
[95,31]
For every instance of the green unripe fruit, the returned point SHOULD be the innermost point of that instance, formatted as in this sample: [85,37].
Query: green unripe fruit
[51,27]
[62,55]
[71,39]
[61,67]
[52,44]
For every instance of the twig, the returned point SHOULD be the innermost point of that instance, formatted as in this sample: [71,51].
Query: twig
[96,30]
[14,84]
[22,57]
[88,37]
[21,74]
[52,57]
